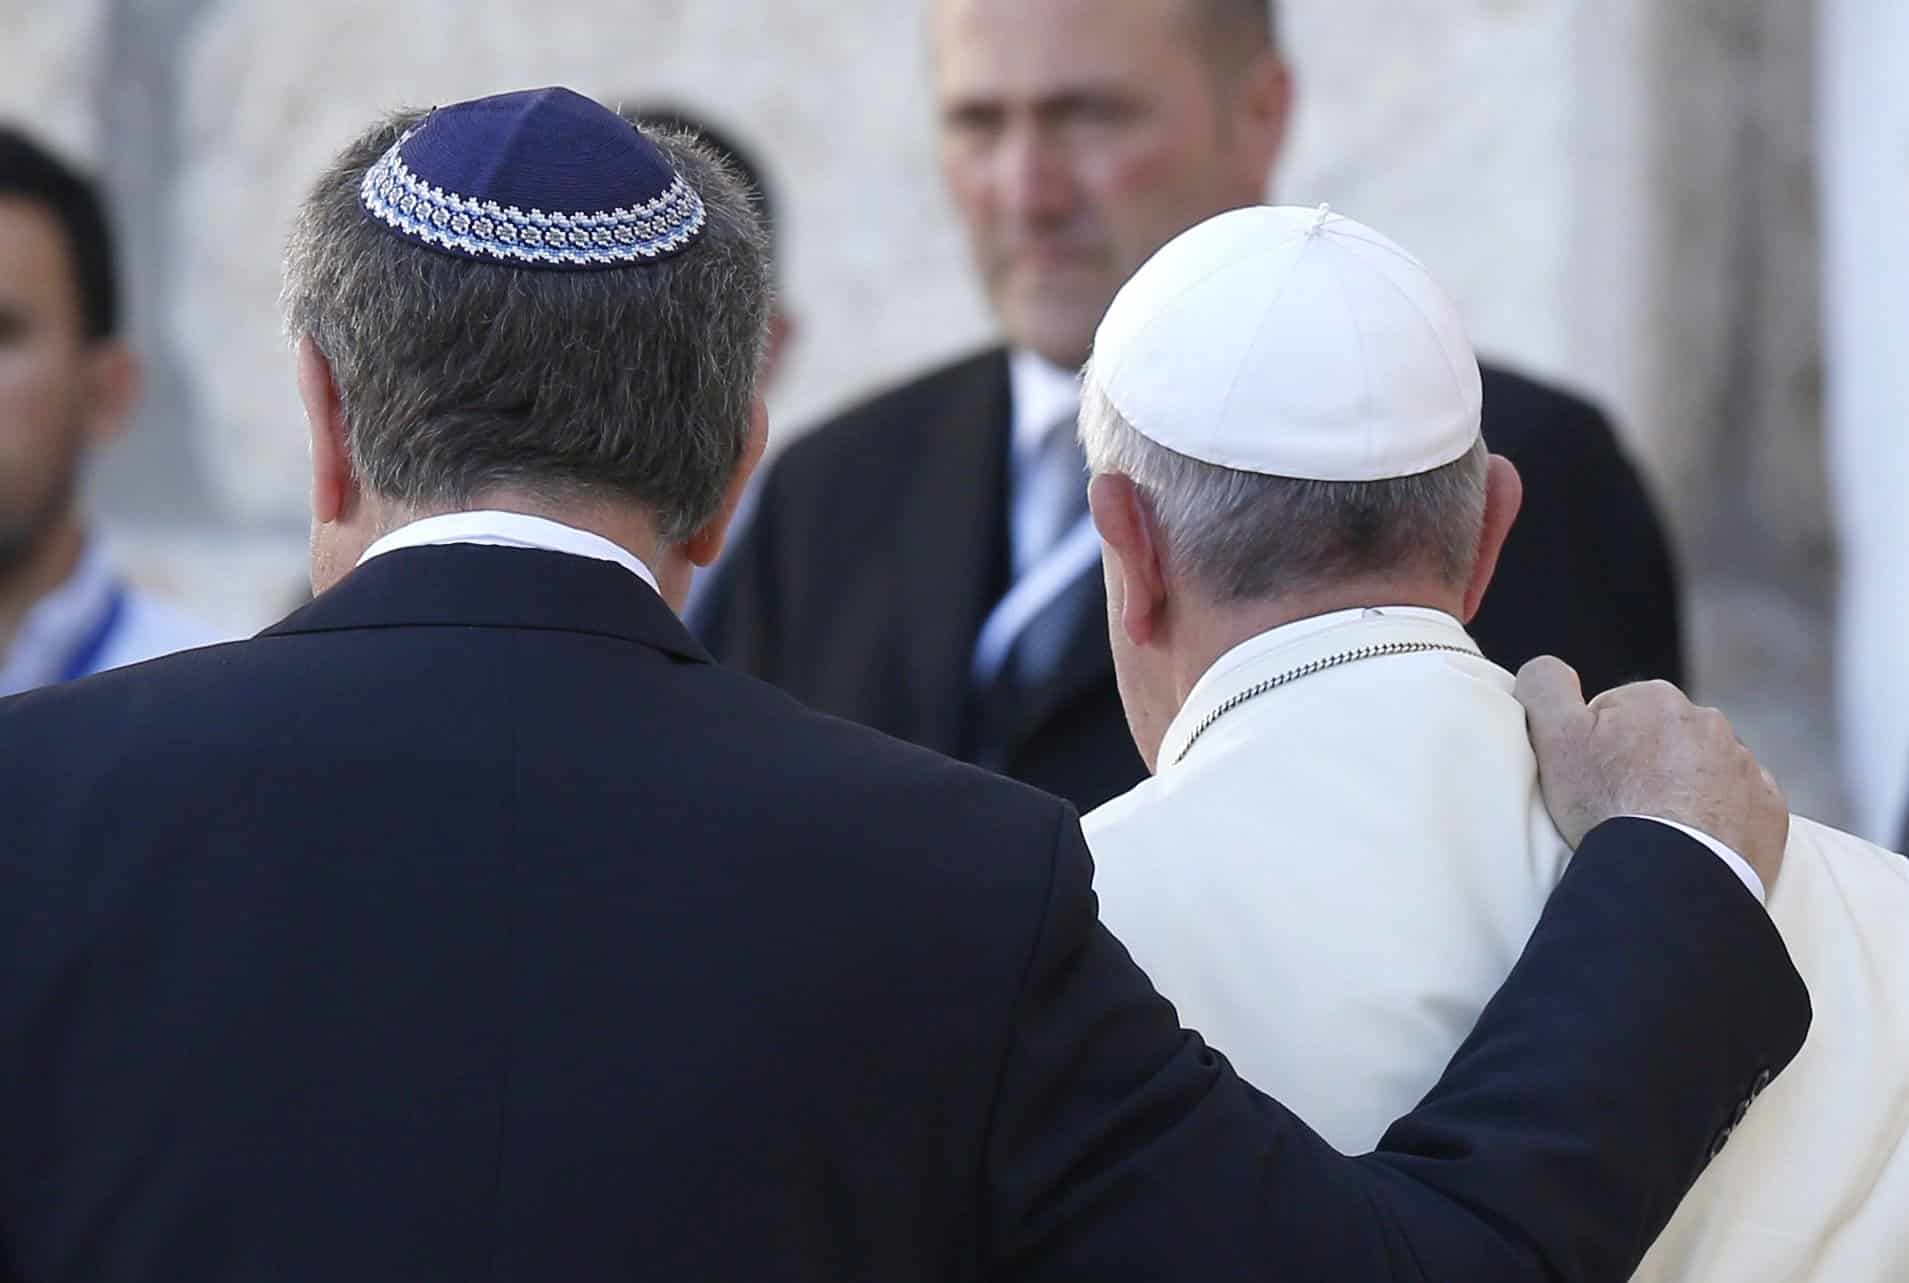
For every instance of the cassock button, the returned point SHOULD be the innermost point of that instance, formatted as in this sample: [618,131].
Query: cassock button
[1743,1112]
[1723,1138]
[1764,1079]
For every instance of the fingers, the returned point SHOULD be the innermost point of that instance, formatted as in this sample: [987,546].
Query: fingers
[1645,749]
[1552,695]
[1651,694]
[1654,703]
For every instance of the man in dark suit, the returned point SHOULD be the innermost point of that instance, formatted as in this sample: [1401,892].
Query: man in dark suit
[1077,137]
[472,923]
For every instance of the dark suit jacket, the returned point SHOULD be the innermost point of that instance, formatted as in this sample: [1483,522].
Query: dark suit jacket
[471,924]
[880,545]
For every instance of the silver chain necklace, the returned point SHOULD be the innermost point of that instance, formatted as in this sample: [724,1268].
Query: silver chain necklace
[1292,675]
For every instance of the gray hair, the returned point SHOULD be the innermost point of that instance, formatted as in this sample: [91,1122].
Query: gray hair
[457,377]
[1241,535]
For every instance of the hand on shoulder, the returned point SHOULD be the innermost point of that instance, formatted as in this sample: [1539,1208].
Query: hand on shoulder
[1645,749]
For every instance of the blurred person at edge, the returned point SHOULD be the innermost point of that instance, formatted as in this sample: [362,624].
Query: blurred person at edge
[68,384]
[922,563]
[782,324]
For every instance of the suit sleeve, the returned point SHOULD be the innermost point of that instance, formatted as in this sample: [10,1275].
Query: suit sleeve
[1652,1001]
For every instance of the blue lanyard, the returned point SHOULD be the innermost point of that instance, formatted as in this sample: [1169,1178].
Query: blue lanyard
[86,655]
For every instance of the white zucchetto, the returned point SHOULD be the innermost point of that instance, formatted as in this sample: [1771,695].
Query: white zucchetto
[1294,343]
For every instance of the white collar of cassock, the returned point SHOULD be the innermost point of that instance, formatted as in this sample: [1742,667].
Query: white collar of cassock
[495,529]
[1270,654]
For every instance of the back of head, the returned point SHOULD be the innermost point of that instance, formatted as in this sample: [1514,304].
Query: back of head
[31,173]
[529,292]
[1299,404]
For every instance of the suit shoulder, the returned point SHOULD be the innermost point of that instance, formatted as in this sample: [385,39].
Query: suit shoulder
[876,428]
[815,755]
[197,656]
[1525,393]
[42,728]
[1522,411]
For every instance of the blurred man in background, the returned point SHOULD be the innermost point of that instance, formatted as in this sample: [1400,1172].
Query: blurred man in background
[68,384]
[671,116]
[923,563]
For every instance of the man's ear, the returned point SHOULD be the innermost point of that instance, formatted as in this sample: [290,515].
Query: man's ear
[115,381]
[703,547]
[1504,495]
[334,481]
[1135,553]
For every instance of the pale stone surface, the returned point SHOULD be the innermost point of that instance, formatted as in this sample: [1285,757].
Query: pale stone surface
[1617,191]
[51,58]
[1402,122]
[238,585]
[1866,181]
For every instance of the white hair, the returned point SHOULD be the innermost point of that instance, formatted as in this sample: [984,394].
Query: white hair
[1242,535]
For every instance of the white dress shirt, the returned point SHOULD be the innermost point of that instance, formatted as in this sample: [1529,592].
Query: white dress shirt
[1042,394]
[492,528]
[93,622]
[1048,493]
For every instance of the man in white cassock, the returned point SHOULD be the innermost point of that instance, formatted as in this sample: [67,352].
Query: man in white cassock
[1343,846]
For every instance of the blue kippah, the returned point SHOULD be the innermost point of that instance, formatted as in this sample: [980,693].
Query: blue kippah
[544,178]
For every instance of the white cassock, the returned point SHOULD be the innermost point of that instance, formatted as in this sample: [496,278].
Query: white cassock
[1334,876]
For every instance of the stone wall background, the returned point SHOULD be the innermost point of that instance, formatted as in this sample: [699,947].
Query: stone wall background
[1619,192]
[1864,128]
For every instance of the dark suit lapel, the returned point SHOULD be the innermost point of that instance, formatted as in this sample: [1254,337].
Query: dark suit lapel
[1085,665]
[955,534]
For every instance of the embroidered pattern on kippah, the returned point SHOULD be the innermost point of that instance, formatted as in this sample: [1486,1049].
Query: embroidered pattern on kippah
[483,228]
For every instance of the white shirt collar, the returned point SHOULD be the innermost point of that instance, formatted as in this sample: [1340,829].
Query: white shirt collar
[1043,394]
[495,529]
[58,624]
